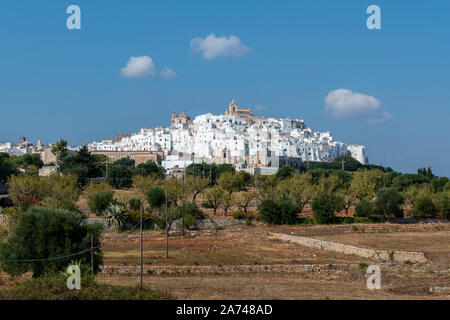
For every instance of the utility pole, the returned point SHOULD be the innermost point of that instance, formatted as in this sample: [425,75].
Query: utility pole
[167,232]
[182,199]
[92,255]
[193,163]
[343,164]
[141,246]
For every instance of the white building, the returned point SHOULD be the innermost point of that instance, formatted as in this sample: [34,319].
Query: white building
[237,137]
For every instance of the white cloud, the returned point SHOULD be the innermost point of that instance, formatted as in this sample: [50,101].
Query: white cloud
[260,107]
[344,103]
[168,73]
[144,66]
[213,47]
[139,67]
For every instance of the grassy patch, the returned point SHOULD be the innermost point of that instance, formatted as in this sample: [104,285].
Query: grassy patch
[55,288]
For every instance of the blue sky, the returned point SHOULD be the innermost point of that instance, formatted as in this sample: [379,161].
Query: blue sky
[289,56]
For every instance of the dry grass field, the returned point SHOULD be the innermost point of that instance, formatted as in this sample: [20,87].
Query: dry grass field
[251,245]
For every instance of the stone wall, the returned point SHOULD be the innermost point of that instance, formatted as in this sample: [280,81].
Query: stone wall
[217,224]
[134,270]
[382,255]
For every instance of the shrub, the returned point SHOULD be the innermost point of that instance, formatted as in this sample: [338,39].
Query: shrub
[207,205]
[189,221]
[362,220]
[285,172]
[26,186]
[134,204]
[345,220]
[148,220]
[323,209]
[288,211]
[7,167]
[388,203]
[283,211]
[424,207]
[156,197]
[364,208]
[238,214]
[54,191]
[192,209]
[269,211]
[98,202]
[120,176]
[46,233]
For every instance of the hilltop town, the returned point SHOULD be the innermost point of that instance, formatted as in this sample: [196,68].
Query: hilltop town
[249,142]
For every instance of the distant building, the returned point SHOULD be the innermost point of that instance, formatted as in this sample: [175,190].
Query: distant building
[233,110]
[48,170]
[138,156]
[181,118]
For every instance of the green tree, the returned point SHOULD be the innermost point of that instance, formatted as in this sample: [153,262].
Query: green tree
[49,233]
[424,207]
[288,211]
[120,176]
[266,187]
[242,200]
[7,167]
[269,211]
[231,181]
[324,205]
[443,205]
[298,188]
[156,197]
[195,185]
[365,183]
[84,165]
[403,181]
[126,162]
[60,149]
[285,172]
[150,168]
[389,202]
[227,202]
[28,160]
[364,208]
[437,184]
[214,196]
